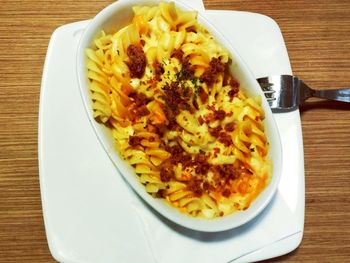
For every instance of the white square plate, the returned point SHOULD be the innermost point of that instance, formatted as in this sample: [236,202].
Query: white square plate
[91,215]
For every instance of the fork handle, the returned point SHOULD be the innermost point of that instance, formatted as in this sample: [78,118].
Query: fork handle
[333,94]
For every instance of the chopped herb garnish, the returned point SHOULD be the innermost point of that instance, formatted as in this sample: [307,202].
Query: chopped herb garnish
[194,80]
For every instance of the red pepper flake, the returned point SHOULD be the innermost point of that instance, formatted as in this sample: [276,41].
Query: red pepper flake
[216,150]
[200,120]
[203,95]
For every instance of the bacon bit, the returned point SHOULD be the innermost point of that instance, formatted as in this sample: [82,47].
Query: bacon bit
[206,186]
[192,110]
[139,98]
[227,171]
[225,139]
[135,141]
[210,74]
[230,127]
[200,120]
[232,93]
[195,186]
[161,193]
[226,193]
[176,149]
[216,150]
[142,111]
[137,61]
[219,115]
[184,92]
[234,83]
[177,53]
[203,95]
[172,125]
[201,158]
[195,103]
[209,117]
[176,99]
[158,70]
[202,168]
[166,173]
[176,152]
[186,160]
[215,131]
[160,129]
[234,88]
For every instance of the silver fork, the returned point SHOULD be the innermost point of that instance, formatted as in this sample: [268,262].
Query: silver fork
[285,92]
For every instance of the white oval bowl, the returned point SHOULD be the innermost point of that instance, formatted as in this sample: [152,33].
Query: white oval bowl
[111,19]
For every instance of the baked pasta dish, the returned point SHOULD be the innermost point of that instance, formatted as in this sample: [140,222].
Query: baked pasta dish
[162,85]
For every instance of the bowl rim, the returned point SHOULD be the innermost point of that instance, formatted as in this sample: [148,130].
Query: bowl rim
[212,225]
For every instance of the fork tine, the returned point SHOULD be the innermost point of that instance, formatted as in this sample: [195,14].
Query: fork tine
[268,91]
[280,92]
[266,86]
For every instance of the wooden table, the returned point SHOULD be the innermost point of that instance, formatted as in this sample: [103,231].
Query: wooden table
[317,35]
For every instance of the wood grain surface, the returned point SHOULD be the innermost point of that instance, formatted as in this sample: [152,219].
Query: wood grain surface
[317,35]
